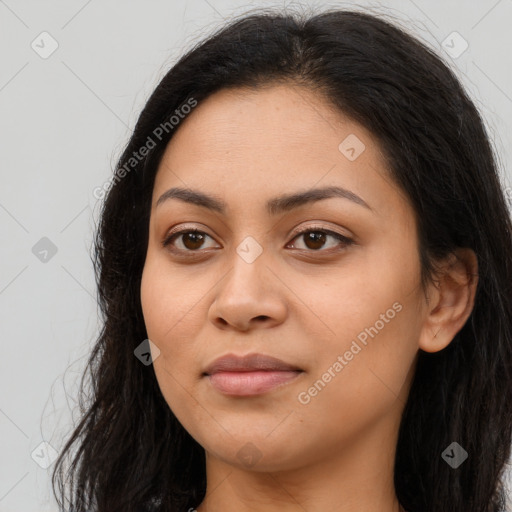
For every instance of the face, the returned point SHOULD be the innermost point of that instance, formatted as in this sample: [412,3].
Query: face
[329,285]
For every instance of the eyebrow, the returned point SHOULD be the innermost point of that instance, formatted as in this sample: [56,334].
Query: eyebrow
[281,204]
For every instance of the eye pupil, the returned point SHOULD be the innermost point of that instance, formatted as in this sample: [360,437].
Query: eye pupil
[317,238]
[196,238]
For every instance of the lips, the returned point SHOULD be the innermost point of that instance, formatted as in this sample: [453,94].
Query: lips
[248,363]
[249,375]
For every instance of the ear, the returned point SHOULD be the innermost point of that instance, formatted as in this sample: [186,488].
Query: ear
[450,300]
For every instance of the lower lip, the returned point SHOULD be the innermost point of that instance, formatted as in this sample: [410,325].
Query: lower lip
[250,383]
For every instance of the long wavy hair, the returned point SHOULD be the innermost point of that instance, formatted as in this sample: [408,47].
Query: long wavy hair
[132,453]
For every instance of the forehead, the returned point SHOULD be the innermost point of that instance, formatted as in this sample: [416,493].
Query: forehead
[246,144]
[235,121]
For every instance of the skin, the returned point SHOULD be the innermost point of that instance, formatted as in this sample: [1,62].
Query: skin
[297,301]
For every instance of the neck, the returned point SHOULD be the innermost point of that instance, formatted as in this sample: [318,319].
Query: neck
[357,478]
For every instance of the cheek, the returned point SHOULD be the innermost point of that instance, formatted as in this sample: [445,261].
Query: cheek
[169,298]
[378,283]
[173,306]
[155,301]
[365,370]
[164,310]
[373,322]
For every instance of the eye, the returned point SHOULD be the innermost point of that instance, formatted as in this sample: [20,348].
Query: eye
[315,238]
[191,241]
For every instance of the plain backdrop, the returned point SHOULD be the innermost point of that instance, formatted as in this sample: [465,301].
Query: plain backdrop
[74,76]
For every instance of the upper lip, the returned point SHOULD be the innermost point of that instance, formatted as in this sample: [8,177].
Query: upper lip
[247,363]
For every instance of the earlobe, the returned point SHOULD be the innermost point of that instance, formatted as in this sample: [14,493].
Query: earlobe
[451,300]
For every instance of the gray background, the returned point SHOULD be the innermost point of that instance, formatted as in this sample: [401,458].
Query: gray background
[64,120]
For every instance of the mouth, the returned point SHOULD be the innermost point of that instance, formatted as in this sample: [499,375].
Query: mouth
[249,375]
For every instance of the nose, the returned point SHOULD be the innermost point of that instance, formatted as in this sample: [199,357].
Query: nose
[249,296]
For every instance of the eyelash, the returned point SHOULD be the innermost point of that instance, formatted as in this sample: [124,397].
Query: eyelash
[166,243]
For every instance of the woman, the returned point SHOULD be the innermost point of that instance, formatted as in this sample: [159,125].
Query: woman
[304,268]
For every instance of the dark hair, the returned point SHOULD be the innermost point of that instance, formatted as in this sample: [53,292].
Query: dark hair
[133,453]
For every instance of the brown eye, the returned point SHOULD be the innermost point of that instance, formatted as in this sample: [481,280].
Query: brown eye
[191,240]
[315,239]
